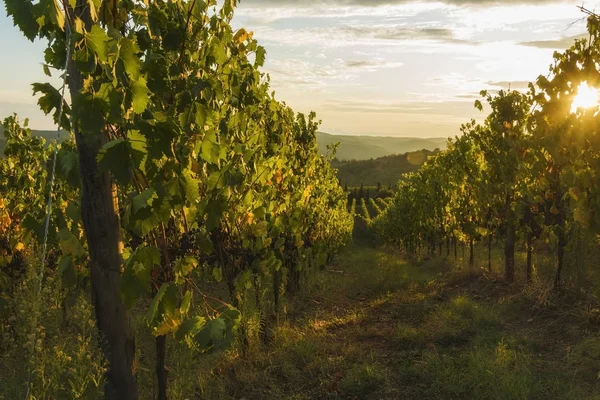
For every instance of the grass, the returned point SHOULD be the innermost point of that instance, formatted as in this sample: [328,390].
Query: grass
[375,326]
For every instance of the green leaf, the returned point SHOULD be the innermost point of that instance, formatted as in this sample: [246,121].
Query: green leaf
[66,271]
[115,157]
[260,57]
[73,212]
[90,113]
[144,199]
[136,277]
[169,302]
[69,244]
[186,303]
[228,6]
[48,11]
[68,166]
[216,181]
[97,41]
[189,328]
[152,312]
[214,212]
[33,225]
[210,334]
[49,102]
[148,255]
[190,186]
[200,7]
[183,267]
[23,17]
[217,273]
[111,100]
[201,114]
[210,151]
[119,158]
[85,59]
[205,245]
[128,55]
[140,95]
[218,333]
[138,147]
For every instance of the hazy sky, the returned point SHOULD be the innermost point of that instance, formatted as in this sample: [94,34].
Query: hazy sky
[376,67]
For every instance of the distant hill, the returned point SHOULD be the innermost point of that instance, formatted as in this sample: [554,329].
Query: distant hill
[351,147]
[384,170]
[366,147]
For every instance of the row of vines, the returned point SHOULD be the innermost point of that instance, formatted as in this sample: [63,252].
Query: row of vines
[369,209]
[187,203]
[526,177]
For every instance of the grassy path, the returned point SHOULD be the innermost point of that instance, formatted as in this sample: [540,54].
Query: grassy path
[378,327]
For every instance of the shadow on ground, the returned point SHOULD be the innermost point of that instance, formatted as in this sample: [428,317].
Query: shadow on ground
[375,326]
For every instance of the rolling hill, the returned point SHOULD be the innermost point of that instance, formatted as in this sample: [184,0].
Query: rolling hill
[367,147]
[351,147]
[384,170]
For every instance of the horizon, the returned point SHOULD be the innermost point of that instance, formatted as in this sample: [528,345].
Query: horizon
[382,68]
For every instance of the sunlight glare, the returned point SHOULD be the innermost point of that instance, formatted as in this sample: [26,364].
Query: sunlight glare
[586,97]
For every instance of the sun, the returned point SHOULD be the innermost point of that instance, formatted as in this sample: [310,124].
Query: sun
[586,97]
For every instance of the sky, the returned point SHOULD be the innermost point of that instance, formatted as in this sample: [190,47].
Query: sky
[369,67]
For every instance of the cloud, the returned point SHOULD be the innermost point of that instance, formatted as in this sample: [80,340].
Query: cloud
[371,65]
[515,85]
[296,72]
[557,44]
[470,96]
[390,32]
[457,109]
[353,35]
[374,3]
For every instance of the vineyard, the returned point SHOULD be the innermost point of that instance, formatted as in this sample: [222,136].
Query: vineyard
[213,193]
[184,237]
[526,177]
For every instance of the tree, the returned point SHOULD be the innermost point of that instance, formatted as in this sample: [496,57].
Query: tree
[501,141]
[99,207]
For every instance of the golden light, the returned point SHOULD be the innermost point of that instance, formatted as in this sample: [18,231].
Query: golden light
[586,97]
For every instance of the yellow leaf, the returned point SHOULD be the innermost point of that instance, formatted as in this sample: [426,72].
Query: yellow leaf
[5,219]
[574,192]
[168,325]
[20,246]
[242,35]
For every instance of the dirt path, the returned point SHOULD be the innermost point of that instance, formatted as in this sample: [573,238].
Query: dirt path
[378,327]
